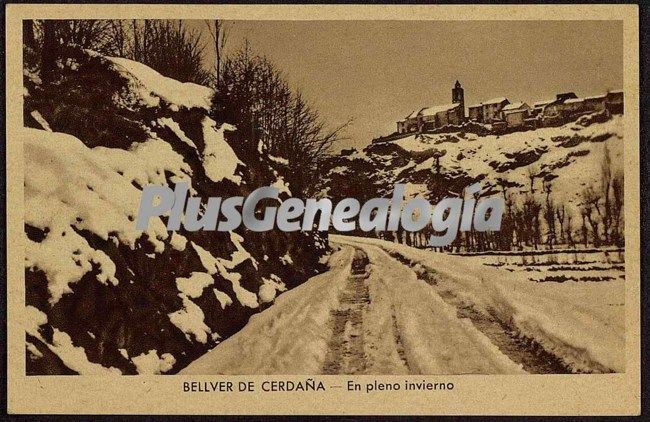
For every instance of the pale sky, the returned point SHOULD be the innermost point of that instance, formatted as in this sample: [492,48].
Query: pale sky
[377,72]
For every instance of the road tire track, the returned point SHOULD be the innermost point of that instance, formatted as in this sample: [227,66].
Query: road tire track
[398,341]
[346,353]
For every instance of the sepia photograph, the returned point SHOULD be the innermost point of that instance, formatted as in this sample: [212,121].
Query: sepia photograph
[425,200]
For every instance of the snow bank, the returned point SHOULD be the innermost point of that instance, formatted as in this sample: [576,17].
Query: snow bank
[193,285]
[290,337]
[191,320]
[171,124]
[222,266]
[72,356]
[151,363]
[75,357]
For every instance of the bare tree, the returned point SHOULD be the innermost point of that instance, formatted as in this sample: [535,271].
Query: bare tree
[590,210]
[29,37]
[560,214]
[49,51]
[219,33]
[549,214]
[258,100]
[166,46]
[531,172]
[569,228]
[170,48]
[605,184]
[530,220]
[617,207]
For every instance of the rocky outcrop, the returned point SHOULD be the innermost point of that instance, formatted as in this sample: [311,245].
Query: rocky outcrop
[101,296]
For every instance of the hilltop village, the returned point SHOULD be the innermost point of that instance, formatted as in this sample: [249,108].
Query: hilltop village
[500,115]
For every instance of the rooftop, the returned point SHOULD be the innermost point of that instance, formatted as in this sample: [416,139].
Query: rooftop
[495,100]
[574,100]
[430,111]
[515,106]
[542,103]
[596,97]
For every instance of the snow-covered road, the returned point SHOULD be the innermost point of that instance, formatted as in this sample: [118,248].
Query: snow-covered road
[378,311]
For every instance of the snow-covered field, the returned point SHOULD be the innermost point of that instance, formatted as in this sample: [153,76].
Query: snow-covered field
[577,265]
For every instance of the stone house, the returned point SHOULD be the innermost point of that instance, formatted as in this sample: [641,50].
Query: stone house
[538,107]
[574,105]
[514,114]
[488,111]
[614,101]
[411,123]
[442,115]
[558,108]
[595,103]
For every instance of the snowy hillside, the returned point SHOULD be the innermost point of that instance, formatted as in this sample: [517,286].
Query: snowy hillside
[102,296]
[569,156]
[556,170]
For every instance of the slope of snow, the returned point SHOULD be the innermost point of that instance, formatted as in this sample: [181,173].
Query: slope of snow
[578,322]
[69,188]
[571,154]
[152,86]
[82,249]
[149,86]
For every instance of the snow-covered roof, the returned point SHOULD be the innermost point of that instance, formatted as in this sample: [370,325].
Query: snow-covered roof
[495,100]
[574,100]
[430,111]
[616,91]
[542,103]
[515,106]
[489,102]
[596,97]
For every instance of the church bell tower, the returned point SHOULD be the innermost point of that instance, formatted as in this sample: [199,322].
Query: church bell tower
[458,96]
